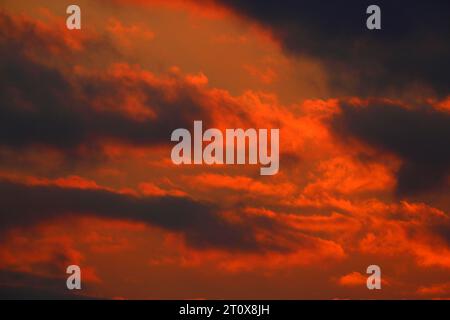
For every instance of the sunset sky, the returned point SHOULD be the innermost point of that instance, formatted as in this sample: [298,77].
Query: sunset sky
[86,176]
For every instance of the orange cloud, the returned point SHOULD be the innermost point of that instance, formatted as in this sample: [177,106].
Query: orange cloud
[248,185]
[332,204]
[345,175]
[437,289]
[352,279]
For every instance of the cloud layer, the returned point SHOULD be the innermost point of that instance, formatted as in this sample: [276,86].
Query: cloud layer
[85,170]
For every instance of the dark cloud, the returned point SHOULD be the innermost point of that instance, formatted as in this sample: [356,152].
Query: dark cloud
[420,136]
[26,286]
[443,230]
[42,105]
[202,225]
[411,49]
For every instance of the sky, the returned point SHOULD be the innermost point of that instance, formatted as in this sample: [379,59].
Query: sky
[86,176]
